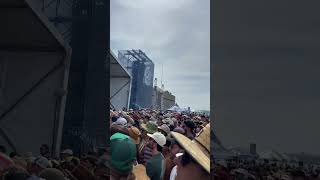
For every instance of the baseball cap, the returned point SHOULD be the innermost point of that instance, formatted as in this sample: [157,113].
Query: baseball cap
[42,162]
[164,128]
[67,151]
[121,121]
[122,152]
[159,138]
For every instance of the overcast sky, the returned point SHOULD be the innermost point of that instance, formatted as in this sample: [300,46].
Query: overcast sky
[267,74]
[172,33]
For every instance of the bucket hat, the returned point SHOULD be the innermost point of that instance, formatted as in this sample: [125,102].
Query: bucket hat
[150,127]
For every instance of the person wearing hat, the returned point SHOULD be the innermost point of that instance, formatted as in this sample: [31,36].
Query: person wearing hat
[129,119]
[52,174]
[179,130]
[38,165]
[17,173]
[66,155]
[195,162]
[164,129]
[135,134]
[121,122]
[189,127]
[156,165]
[122,157]
[140,173]
[144,151]
[114,128]
[174,149]
[44,151]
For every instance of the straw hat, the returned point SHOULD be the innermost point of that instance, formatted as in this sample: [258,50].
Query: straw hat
[203,137]
[140,172]
[199,148]
[134,133]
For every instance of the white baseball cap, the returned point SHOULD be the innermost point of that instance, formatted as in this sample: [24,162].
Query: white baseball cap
[121,121]
[159,138]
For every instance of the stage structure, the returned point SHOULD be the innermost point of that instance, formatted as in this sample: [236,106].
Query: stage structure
[141,69]
[84,25]
[120,85]
[34,69]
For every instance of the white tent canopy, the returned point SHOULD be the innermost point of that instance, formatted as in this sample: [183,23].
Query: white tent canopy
[176,108]
[120,84]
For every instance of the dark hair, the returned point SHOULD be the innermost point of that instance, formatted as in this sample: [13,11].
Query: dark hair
[173,141]
[171,127]
[114,118]
[186,159]
[159,148]
[15,173]
[168,143]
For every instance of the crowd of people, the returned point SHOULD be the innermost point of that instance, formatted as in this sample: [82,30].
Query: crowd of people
[144,145]
[165,146]
[259,170]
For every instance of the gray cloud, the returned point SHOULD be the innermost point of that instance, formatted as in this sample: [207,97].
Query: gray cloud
[174,34]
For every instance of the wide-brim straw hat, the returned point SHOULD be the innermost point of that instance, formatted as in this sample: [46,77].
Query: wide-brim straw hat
[135,134]
[199,148]
[140,172]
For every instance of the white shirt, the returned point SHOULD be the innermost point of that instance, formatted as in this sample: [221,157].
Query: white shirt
[173,173]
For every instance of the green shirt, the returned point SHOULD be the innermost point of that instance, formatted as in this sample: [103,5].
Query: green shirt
[155,167]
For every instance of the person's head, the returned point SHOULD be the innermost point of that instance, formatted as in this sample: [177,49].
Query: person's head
[44,150]
[66,154]
[179,130]
[39,164]
[175,148]
[122,153]
[189,169]
[196,157]
[135,134]
[188,126]
[149,127]
[164,129]
[121,122]
[51,174]
[156,141]
[15,173]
